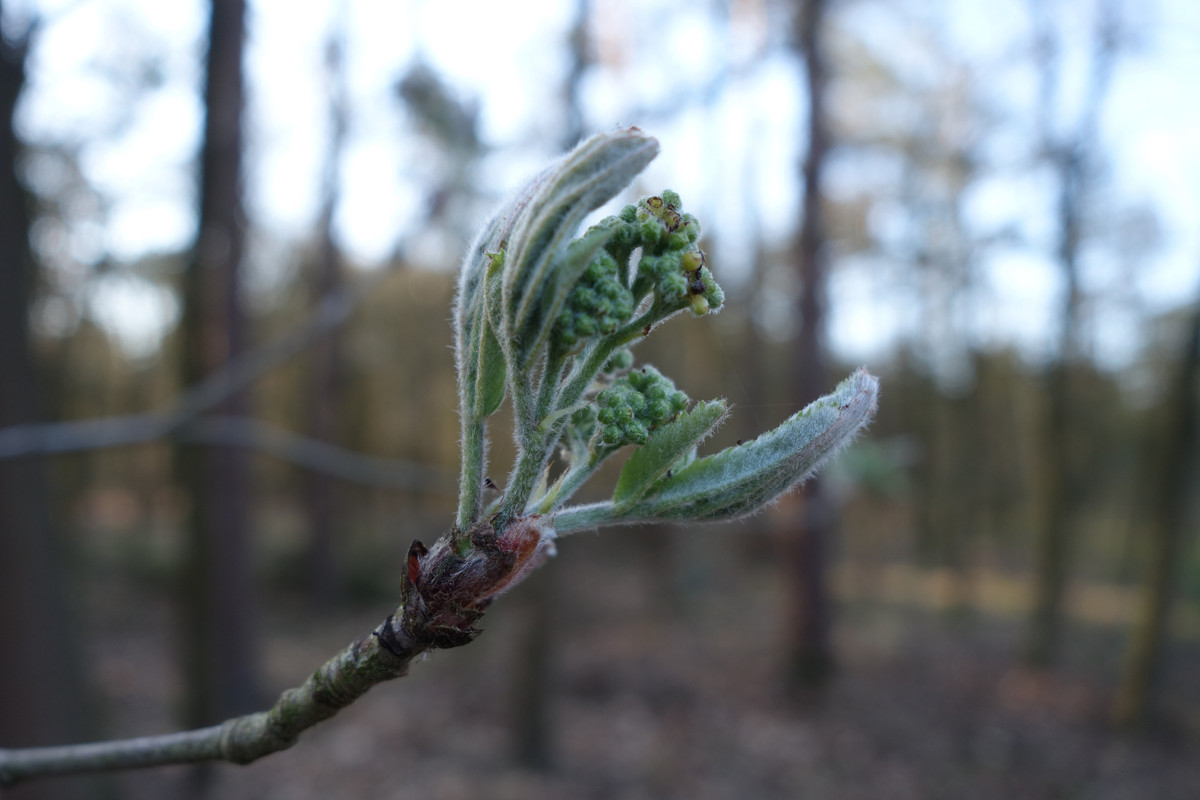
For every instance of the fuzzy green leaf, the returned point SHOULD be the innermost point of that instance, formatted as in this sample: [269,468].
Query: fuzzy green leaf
[535,281]
[667,445]
[491,378]
[480,269]
[739,480]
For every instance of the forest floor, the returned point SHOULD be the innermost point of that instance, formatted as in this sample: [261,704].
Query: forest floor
[664,681]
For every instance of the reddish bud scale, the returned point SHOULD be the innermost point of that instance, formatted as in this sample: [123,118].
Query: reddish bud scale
[446,592]
[529,542]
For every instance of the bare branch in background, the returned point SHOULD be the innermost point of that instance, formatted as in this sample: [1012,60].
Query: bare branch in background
[315,455]
[95,434]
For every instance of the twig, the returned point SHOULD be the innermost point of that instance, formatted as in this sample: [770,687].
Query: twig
[314,454]
[383,655]
[94,434]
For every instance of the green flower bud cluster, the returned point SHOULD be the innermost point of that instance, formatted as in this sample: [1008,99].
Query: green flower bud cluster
[661,224]
[598,304]
[635,405]
[672,266]
[681,280]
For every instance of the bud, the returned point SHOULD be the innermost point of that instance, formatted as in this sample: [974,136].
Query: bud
[636,404]
[672,266]
[445,591]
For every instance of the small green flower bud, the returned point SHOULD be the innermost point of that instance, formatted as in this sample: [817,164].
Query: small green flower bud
[672,287]
[714,293]
[677,240]
[583,297]
[611,291]
[620,360]
[652,233]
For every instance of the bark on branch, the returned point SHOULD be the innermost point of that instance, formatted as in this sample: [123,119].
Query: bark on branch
[382,655]
[443,596]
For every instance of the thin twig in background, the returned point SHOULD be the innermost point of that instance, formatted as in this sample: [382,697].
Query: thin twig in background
[95,434]
[316,455]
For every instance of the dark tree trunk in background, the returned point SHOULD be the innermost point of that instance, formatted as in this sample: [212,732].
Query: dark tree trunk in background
[1059,464]
[326,376]
[219,629]
[1063,483]
[1052,551]
[41,694]
[1169,484]
[811,657]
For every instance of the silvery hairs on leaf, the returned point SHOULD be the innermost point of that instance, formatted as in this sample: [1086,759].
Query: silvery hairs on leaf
[512,283]
[536,281]
[517,275]
[741,479]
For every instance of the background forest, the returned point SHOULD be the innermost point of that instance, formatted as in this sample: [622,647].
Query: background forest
[228,243]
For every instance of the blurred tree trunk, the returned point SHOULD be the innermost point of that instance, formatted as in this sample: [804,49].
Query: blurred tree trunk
[1071,158]
[1169,485]
[1060,483]
[41,689]
[1052,547]
[811,656]
[219,608]
[956,431]
[326,375]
